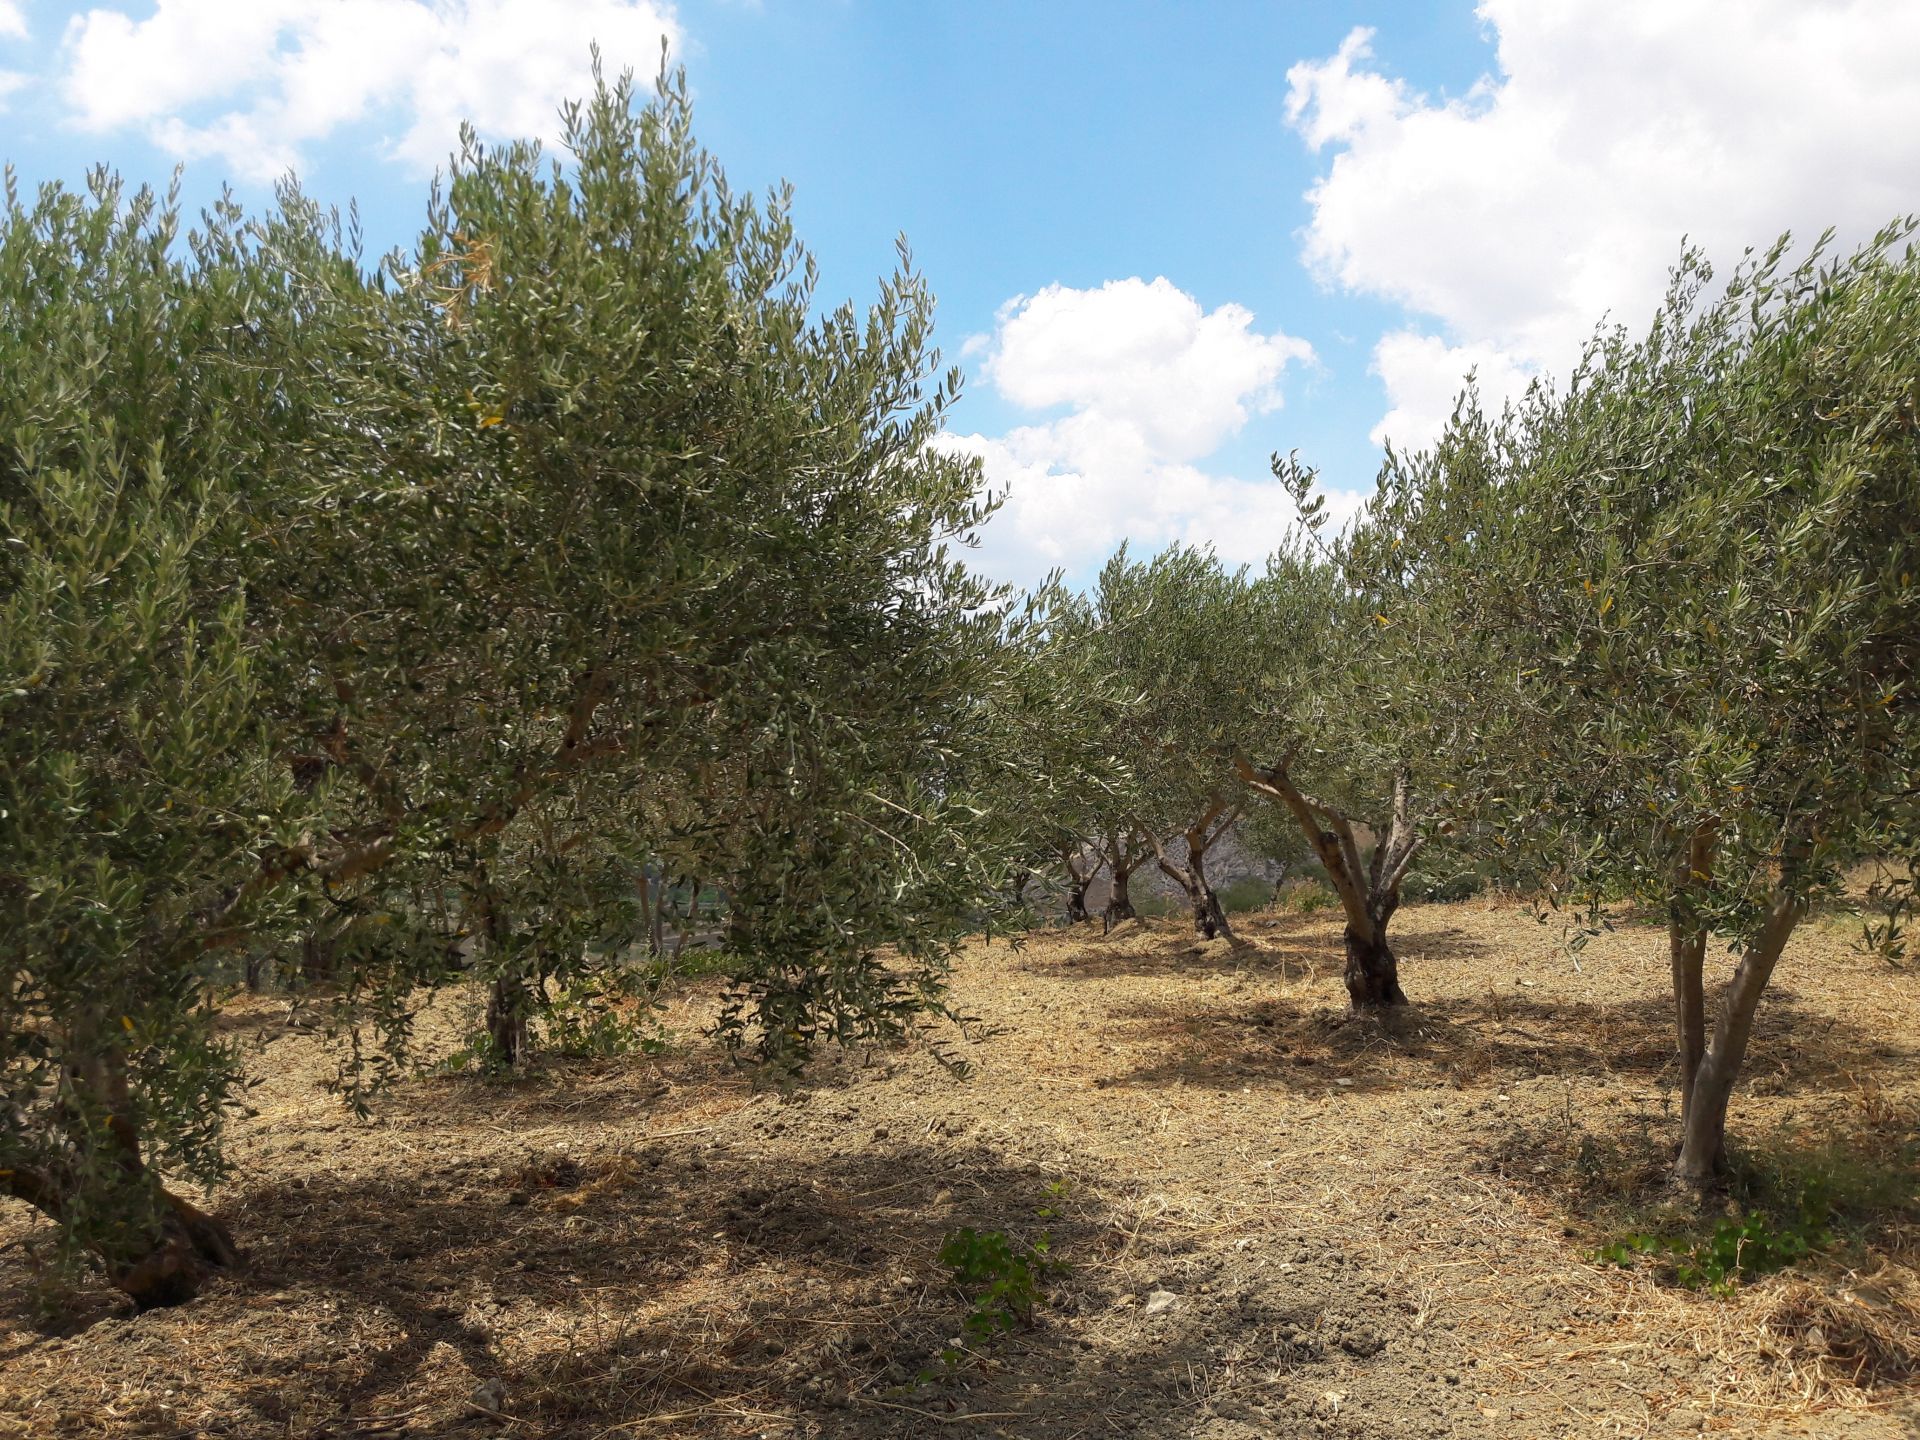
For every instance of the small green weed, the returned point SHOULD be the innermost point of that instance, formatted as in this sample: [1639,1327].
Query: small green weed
[585,1024]
[1736,1249]
[1000,1276]
[1245,894]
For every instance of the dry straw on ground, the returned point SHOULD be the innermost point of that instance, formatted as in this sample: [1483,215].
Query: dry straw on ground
[1367,1230]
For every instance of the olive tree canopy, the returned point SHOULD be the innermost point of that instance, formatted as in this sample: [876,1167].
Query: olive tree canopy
[1672,614]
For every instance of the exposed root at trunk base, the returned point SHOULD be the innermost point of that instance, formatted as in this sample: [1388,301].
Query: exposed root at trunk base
[193,1247]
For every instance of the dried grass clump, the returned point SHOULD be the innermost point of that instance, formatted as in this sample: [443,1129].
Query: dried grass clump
[1840,1344]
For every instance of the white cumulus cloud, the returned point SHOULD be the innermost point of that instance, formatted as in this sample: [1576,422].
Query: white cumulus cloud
[253,83]
[1145,354]
[1423,376]
[1558,189]
[13,26]
[1151,383]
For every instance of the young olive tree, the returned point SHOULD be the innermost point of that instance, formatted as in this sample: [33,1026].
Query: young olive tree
[1096,828]
[1061,773]
[1674,611]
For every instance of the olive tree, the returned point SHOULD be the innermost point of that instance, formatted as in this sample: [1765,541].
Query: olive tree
[1674,610]
[1062,773]
[1337,741]
[419,609]
[1179,636]
[138,781]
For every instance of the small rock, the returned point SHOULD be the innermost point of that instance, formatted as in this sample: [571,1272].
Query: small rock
[1157,1301]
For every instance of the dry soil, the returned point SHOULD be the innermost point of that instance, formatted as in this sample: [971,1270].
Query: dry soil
[1274,1220]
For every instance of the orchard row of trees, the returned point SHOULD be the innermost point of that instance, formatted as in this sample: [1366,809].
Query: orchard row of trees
[426,616]
[1647,639]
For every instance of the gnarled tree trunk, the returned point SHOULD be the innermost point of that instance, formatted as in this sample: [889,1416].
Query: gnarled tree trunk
[1209,918]
[507,1018]
[1710,1064]
[1373,971]
[1079,877]
[191,1248]
[1369,891]
[509,1000]
[1709,1085]
[1123,854]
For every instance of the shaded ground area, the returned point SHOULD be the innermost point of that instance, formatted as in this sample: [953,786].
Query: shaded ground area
[1278,1220]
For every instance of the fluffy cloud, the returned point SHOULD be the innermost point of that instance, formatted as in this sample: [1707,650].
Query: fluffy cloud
[252,84]
[13,26]
[1558,190]
[1150,383]
[1145,355]
[1423,375]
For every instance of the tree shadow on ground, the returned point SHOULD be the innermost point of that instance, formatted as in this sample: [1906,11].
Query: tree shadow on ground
[687,1289]
[1847,1187]
[1277,1043]
[1292,948]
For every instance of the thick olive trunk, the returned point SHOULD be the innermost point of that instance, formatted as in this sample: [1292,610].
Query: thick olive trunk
[1208,916]
[319,958]
[1373,973]
[154,1246]
[1369,890]
[1209,919]
[507,999]
[1079,880]
[1702,1160]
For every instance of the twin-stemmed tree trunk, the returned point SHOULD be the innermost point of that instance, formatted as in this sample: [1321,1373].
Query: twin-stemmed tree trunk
[1710,1064]
[1369,891]
[1124,852]
[1081,867]
[1190,873]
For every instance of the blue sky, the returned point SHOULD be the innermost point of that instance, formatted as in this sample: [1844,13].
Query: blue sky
[1167,239]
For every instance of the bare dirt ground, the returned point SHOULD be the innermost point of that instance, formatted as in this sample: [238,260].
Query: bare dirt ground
[1364,1231]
